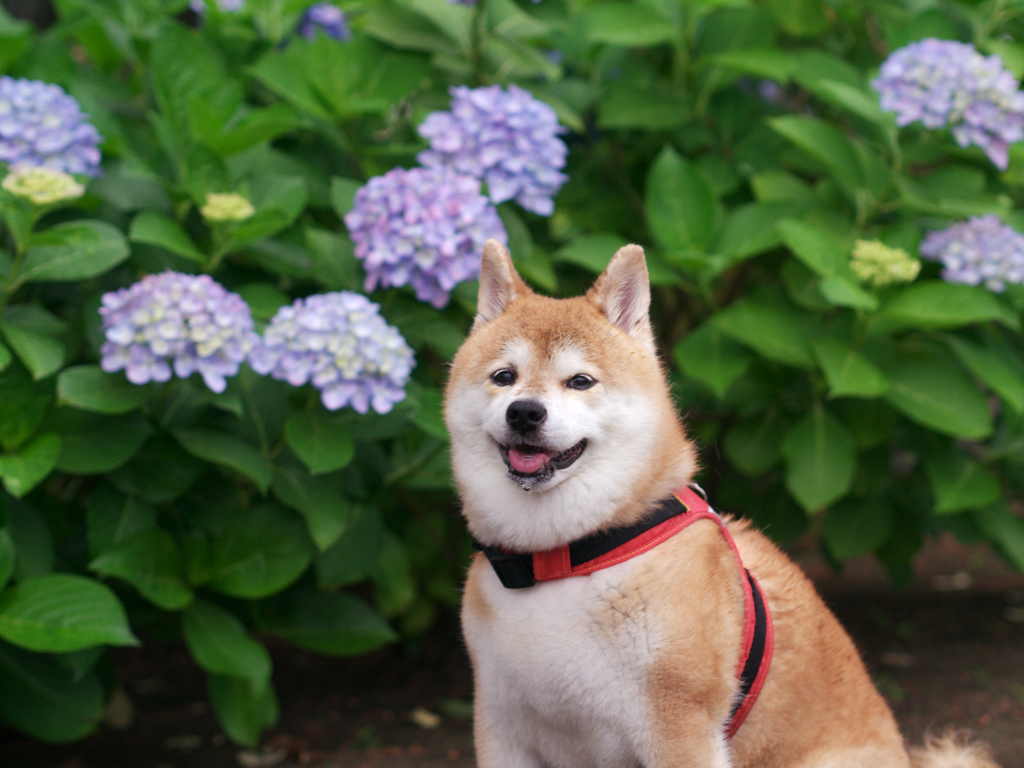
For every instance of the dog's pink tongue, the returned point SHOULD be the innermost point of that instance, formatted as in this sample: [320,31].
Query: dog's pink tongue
[526,463]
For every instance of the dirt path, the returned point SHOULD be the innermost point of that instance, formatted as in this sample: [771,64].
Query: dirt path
[950,651]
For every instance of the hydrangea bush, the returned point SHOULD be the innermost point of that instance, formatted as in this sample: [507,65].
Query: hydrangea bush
[240,243]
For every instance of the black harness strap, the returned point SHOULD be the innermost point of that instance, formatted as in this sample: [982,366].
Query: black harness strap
[757,645]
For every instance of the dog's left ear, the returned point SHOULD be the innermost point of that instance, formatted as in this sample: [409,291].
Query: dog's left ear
[623,293]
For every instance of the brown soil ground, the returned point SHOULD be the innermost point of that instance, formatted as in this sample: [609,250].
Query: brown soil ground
[948,651]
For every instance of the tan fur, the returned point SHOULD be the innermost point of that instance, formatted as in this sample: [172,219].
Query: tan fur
[664,627]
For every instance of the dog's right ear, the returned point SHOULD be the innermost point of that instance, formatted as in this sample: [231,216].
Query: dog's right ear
[500,284]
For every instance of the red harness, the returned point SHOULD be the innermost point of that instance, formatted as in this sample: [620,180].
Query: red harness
[604,550]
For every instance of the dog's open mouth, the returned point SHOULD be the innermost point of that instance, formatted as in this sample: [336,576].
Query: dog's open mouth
[529,465]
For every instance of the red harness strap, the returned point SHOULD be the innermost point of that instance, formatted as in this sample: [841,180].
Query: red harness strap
[758,638]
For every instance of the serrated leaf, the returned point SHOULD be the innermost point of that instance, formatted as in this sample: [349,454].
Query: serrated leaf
[153,228]
[820,460]
[332,623]
[43,698]
[260,554]
[681,207]
[220,643]
[856,527]
[150,562]
[90,388]
[95,445]
[627,24]
[319,441]
[73,251]
[712,358]
[776,332]
[318,499]
[24,469]
[991,364]
[63,612]
[228,451]
[938,395]
[848,372]
[816,248]
[32,333]
[112,517]
[353,555]
[842,292]
[772,63]
[243,710]
[825,143]
[958,483]
[754,445]
[937,304]
[1005,530]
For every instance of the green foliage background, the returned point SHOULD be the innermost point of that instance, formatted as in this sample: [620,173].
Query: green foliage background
[873,417]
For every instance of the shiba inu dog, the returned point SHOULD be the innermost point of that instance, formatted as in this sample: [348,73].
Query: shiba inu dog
[604,628]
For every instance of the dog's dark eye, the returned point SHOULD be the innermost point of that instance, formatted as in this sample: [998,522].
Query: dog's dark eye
[580,381]
[504,377]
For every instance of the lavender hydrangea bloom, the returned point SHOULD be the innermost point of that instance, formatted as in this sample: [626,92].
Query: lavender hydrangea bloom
[326,18]
[42,126]
[946,83]
[171,319]
[979,251]
[340,343]
[423,227]
[508,139]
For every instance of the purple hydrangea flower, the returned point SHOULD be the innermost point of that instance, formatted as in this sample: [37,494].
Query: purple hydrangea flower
[423,227]
[340,343]
[171,319]
[946,83]
[326,18]
[980,251]
[42,126]
[508,139]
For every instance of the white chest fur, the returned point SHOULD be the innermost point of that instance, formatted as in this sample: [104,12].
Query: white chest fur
[562,667]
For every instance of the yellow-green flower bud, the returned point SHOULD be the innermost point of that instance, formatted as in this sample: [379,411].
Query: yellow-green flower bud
[42,186]
[230,206]
[876,263]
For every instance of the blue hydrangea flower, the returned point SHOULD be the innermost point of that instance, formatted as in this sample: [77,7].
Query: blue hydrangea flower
[424,227]
[340,343]
[945,83]
[507,139]
[325,18]
[188,322]
[980,251]
[41,125]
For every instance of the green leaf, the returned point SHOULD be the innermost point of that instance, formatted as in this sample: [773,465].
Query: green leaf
[153,228]
[775,331]
[428,413]
[681,208]
[991,364]
[393,577]
[640,105]
[220,644]
[959,483]
[31,331]
[820,460]
[23,406]
[751,229]
[5,356]
[843,292]
[73,251]
[343,194]
[228,451]
[353,555]
[771,63]
[332,623]
[816,248]
[318,439]
[712,358]
[112,517]
[592,252]
[243,710]
[856,527]
[33,542]
[151,563]
[853,100]
[318,499]
[627,24]
[63,612]
[8,555]
[938,395]
[1005,530]
[45,699]
[753,446]
[405,29]
[800,18]
[848,372]
[937,304]
[24,470]
[90,388]
[160,472]
[824,143]
[96,445]
[260,554]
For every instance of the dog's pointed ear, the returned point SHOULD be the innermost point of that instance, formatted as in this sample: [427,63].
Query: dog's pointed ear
[623,293]
[500,284]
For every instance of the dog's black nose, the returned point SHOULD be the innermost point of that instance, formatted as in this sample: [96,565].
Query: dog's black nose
[524,416]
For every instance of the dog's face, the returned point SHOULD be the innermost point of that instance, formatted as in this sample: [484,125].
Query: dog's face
[554,407]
